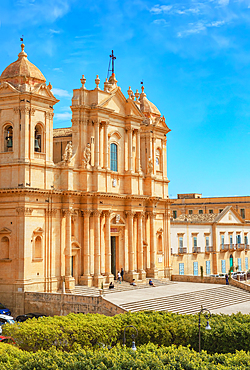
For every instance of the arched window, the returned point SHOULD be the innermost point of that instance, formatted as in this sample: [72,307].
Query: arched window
[38,247]
[4,248]
[8,138]
[113,157]
[38,139]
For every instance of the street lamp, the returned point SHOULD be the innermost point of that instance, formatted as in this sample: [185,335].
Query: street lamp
[133,336]
[208,327]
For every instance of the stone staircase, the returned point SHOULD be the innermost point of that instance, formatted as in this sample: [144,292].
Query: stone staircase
[190,303]
[119,287]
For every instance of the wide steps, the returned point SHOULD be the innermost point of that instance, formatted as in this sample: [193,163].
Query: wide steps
[123,287]
[190,303]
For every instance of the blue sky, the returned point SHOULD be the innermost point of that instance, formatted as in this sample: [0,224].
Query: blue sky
[194,60]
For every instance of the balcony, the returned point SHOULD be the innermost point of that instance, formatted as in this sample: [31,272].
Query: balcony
[225,247]
[196,249]
[240,247]
[208,249]
[247,246]
[182,250]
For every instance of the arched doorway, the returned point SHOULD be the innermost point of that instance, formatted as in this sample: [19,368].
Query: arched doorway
[231,261]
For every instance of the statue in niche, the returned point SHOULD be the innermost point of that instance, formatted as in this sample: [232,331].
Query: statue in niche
[150,165]
[86,156]
[68,153]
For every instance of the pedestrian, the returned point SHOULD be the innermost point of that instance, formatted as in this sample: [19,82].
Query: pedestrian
[227,279]
[151,282]
[111,285]
[133,282]
[119,276]
[122,273]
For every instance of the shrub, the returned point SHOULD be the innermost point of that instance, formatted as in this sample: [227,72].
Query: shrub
[69,333]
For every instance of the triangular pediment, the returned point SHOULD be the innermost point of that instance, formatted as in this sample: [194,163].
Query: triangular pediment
[5,230]
[38,230]
[6,88]
[115,102]
[160,122]
[44,90]
[229,216]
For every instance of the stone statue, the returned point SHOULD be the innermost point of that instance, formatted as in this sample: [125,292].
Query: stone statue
[86,156]
[68,153]
[150,165]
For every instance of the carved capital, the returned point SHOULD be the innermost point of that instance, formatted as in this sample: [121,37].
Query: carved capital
[107,213]
[86,212]
[67,212]
[129,213]
[51,212]
[25,110]
[24,211]
[97,213]
[151,214]
[49,115]
[16,109]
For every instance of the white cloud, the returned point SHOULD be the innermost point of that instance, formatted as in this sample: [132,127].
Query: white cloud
[223,2]
[199,27]
[216,24]
[60,92]
[63,116]
[194,28]
[158,9]
[161,22]
[54,31]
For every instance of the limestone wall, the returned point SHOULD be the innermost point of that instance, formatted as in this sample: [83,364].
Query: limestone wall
[63,304]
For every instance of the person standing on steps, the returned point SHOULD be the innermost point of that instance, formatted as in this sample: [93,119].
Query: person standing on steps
[119,276]
[227,279]
[122,273]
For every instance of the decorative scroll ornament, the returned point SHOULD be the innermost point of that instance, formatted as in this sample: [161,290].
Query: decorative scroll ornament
[86,156]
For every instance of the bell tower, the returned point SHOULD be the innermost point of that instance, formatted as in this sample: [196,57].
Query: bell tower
[26,126]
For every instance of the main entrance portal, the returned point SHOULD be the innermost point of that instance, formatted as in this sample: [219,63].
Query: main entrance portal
[113,255]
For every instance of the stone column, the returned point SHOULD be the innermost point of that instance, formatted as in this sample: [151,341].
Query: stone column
[167,246]
[86,279]
[131,274]
[98,279]
[108,274]
[106,149]
[152,272]
[153,155]
[142,273]
[69,280]
[138,151]
[97,144]
[130,151]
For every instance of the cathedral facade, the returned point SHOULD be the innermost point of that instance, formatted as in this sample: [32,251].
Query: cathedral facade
[78,204]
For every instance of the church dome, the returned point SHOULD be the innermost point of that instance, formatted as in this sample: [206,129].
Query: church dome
[147,107]
[22,71]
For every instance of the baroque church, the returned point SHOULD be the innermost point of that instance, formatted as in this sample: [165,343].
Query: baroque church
[78,204]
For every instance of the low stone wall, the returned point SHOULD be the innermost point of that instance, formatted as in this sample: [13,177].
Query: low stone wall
[198,279]
[63,304]
[240,284]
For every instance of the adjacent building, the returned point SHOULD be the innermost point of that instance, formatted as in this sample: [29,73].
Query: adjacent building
[214,241]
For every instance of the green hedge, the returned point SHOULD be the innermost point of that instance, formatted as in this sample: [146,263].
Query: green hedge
[228,334]
[147,357]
